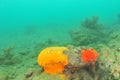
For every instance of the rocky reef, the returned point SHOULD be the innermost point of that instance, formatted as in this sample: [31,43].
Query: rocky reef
[106,67]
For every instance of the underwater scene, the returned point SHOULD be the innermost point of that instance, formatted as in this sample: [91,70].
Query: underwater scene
[59,39]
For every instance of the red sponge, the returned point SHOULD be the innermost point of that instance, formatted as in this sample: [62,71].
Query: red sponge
[89,55]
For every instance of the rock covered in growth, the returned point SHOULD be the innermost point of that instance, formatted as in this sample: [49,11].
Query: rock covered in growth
[83,64]
[79,56]
[110,58]
[74,56]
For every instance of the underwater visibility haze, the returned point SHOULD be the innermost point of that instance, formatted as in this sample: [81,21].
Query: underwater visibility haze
[67,29]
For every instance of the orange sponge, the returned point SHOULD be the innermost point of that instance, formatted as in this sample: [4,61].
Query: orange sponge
[89,55]
[53,59]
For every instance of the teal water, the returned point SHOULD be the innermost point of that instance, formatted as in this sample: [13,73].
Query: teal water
[50,18]
[51,15]
[21,20]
